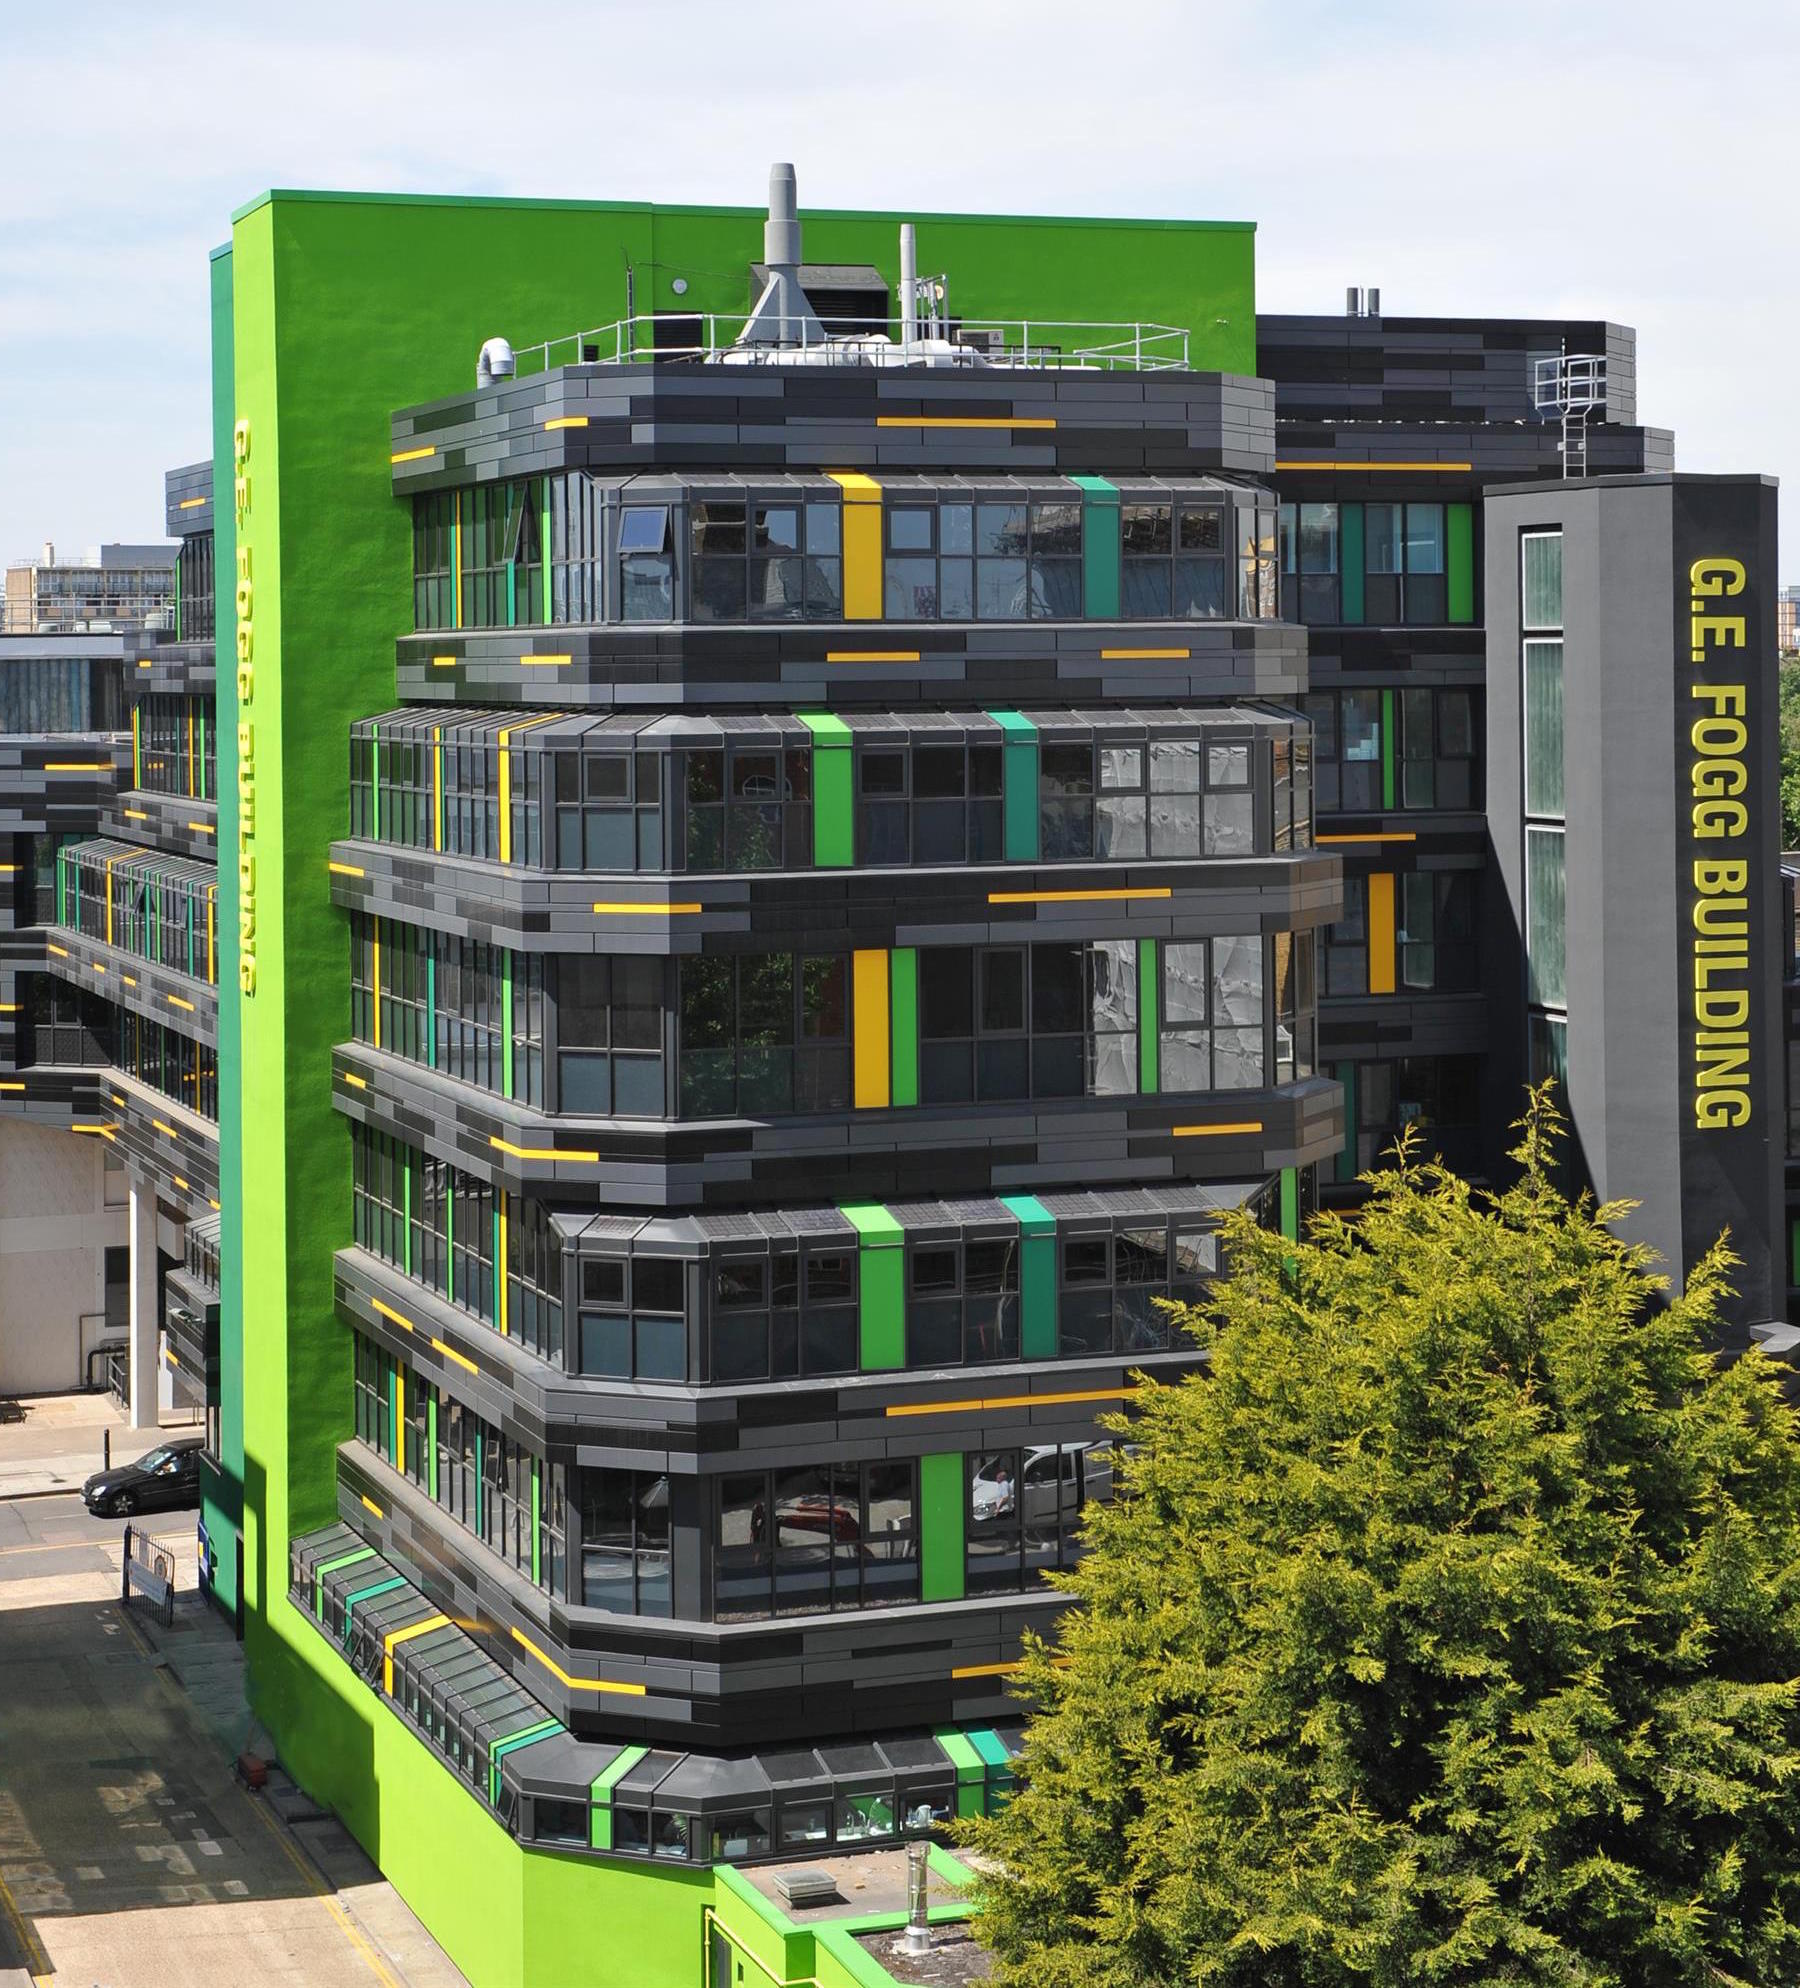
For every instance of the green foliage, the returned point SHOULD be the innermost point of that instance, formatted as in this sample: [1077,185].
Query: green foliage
[1790,752]
[1448,1634]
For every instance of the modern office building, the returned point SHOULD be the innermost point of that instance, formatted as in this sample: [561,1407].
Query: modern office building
[787,858]
[111,587]
[1787,620]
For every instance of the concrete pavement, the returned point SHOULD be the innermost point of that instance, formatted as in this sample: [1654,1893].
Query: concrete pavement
[129,1853]
[53,1442]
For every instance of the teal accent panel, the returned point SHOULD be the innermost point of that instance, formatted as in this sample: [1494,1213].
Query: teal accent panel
[516,1743]
[1346,1159]
[1149,1020]
[1037,1276]
[367,1594]
[1350,558]
[1459,535]
[1019,786]
[1099,547]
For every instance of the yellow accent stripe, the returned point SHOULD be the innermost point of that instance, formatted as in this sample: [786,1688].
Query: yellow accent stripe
[544,662]
[11,1086]
[450,1353]
[370,1505]
[344,870]
[201,827]
[1008,1401]
[168,1131]
[1395,836]
[190,503]
[539,1152]
[128,980]
[104,1131]
[392,1316]
[98,968]
[355,1082]
[443,662]
[1361,468]
[1145,655]
[567,421]
[1381,933]
[1214,1131]
[986,1670]
[110,861]
[862,544]
[179,1182]
[78,766]
[175,1001]
[391,1643]
[500,1244]
[607,907]
[61,952]
[576,1683]
[375,977]
[437,780]
[964,421]
[145,662]
[169,1355]
[413,455]
[136,814]
[869,985]
[9,1007]
[1077,896]
[871,655]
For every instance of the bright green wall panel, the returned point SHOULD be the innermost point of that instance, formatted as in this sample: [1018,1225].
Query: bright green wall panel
[1459,536]
[942,1564]
[903,1003]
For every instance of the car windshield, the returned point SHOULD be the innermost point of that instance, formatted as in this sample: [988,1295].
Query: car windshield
[156,1458]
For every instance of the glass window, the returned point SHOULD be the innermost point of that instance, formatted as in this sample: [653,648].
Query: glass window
[1542,568]
[1545,915]
[1544,728]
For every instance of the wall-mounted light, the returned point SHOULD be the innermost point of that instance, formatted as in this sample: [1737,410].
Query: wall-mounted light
[679,286]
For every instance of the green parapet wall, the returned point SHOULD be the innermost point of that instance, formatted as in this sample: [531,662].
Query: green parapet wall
[881,1280]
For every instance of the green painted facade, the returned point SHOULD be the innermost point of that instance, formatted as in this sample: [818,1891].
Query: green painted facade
[329,311]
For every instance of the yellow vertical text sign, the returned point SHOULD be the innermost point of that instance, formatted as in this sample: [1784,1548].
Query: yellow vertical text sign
[1381,934]
[869,998]
[862,545]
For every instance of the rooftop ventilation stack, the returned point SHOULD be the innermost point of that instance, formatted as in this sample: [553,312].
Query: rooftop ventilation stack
[782,315]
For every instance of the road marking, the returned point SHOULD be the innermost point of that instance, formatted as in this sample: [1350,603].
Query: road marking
[352,1932]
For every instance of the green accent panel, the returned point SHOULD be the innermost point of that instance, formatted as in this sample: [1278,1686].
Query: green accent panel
[600,1794]
[547,566]
[971,1775]
[431,1445]
[222,1487]
[903,1000]
[1099,547]
[512,593]
[1149,1020]
[1350,559]
[882,1296]
[1019,786]
[989,1746]
[1459,559]
[1387,749]
[431,1011]
[941,1540]
[375,780]
[330,1567]
[1290,1203]
[516,1743]
[506,1023]
[1037,1276]
[1346,1159]
[537,1512]
[386,1587]
[834,809]
[396,1454]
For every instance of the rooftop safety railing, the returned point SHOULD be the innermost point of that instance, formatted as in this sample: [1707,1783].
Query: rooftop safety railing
[711,337]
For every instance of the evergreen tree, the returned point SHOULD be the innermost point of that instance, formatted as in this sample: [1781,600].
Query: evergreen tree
[1447,1633]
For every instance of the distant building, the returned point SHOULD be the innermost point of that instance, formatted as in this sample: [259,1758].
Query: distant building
[110,586]
[1787,620]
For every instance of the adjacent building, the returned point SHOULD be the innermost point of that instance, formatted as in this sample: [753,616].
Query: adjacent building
[110,587]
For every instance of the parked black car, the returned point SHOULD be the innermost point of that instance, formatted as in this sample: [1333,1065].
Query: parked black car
[166,1478]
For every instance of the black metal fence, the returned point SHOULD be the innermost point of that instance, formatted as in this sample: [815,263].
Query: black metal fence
[150,1570]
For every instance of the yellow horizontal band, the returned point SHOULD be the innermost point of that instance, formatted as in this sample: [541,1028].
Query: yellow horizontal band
[450,1353]
[9,1007]
[119,1101]
[393,1317]
[871,655]
[175,1001]
[61,952]
[344,870]
[78,766]
[607,908]
[1359,468]
[9,869]
[1213,1131]
[538,1152]
[202,827]
[987,1670]
[355,1082]
[179,1182]
[369,1505]
[567,421]
[98,968]
[101,1131]
[400,1636]
[169,1355]
[136,814]
[545,662]
[1077,896]
[144,663]
[190,503]
[413,455]
[1396,836]
[10,1086]
[1145,655]
[443,662]
[899,1409]
[168,1131]
[128,980]
[576,1683]
[212,1204]
[964,421]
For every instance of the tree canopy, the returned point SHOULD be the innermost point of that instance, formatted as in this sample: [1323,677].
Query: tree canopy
[1447,1632]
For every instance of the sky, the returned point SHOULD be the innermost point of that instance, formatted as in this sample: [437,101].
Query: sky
[1625,159]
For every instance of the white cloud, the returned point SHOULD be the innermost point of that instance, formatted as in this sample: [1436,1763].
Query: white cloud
[1627,158]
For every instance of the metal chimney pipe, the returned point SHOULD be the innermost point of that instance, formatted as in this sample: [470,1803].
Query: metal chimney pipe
[1352,301]
[909,284]
[1374,303]
[918,1891]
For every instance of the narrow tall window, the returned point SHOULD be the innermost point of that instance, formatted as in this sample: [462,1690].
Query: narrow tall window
[1545,837]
